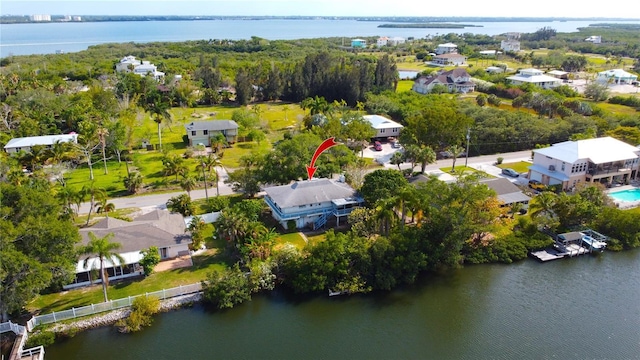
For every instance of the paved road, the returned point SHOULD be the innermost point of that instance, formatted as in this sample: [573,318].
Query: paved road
[483,163]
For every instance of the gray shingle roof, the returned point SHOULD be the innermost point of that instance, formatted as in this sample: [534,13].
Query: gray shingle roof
[309,192]
[507,192]
[212,125]
[159,228]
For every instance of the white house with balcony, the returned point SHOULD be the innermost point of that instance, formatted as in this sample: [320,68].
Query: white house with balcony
[535,77]
[448,48]
[384,127]
[142,68]
[311,203]
[605,160]
[617,76]
[449,59]
[25,143]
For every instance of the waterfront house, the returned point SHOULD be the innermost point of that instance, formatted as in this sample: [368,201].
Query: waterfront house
[449,59]
[507,193]
[605,160]
[456,80]
[395,41]
[358,43]
[510,45]
[596,39]
[382,41]
[142,68]
[617,76]
[201,132]
[311,203]
[25,143]
[448,48]
[159,228]
[384,127]
[535,77]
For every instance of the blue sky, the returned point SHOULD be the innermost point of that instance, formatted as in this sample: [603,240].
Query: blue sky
[497,8]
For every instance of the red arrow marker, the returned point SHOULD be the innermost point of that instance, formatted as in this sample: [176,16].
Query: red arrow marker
[324,146]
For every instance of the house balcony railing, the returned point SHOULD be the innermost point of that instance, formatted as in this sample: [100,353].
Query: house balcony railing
[611,171]
[298,214]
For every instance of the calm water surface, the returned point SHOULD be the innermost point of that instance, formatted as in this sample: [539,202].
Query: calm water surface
[579,308]
[47,38]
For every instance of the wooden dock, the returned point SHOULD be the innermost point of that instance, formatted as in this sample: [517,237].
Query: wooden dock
[554,254]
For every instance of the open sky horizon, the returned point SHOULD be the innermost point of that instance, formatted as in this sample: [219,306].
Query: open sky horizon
[461,8]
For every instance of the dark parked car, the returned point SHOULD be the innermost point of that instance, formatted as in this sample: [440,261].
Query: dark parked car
[377,146]
[510,172]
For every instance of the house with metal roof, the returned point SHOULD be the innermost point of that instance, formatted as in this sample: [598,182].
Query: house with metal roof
[605,160]
[449,59]
[201,132]
[311,203]
[617,76]
[384,127]
[535,77]
[447,48]
[159,228]
[25,143]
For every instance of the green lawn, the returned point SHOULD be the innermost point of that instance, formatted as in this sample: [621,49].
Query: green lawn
[461,169]
[521,166]
[203,264]
[404,85]
[291,238]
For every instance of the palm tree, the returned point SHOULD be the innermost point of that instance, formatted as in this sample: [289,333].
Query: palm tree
[187,184]
[133,182]
[211,163]
[425,156]
[455,150]
[68,198]
[102,138]
[159,111]
[104,207]
[104,250]
[542,204]
[386,214]
[60,151]
[94,194]
[231,225]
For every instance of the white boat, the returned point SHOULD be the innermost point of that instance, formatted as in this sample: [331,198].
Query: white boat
[593,244]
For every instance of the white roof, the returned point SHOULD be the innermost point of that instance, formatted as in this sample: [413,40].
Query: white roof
[381,122]
[557,72]
[599,150]
[40,140]
[448,45]
[534,79]
[208,218]
[618,74]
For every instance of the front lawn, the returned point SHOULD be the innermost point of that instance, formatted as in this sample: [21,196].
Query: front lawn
[461,169]
[292,238]
[520,166]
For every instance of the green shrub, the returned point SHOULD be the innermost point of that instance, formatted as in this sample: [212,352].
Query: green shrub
[499,160]
[291,225]
[217,203]
[42,338]
[142,311]
[150,258]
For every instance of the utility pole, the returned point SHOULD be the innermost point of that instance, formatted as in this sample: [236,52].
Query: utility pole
[204,175]
[466,158]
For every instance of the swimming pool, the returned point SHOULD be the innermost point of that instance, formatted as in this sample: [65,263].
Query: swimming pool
[626,195]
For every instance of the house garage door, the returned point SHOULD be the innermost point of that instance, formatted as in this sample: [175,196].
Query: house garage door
[536,176]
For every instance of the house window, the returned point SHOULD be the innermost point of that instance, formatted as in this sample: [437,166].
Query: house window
[302,206]
[562,168]
[193,133]
[205,132]
[382,131]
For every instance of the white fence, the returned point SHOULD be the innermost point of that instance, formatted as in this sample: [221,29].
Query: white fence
[110,305]
[9,326]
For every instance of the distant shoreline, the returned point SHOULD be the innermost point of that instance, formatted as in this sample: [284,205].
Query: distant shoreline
[427,26]
[25,19]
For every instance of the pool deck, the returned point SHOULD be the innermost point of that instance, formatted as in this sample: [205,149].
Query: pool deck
[624,204]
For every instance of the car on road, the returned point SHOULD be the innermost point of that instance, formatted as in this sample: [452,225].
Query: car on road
[536,185]
[377,146]
[510,172]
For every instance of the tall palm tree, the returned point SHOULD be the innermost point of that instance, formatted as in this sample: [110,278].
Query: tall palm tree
[104,250]
[210,163]
[231,225]
[455,150]
[94,193]
[60,151]
[68,198]
[102,138]
[159,111]
[386,214]
[105,207]
[542,204]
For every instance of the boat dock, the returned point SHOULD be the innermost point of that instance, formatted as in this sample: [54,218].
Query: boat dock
[572,244]
[555,253]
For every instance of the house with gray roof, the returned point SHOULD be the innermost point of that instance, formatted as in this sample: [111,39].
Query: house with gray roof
[201,132]
[311,203]
[456,80]
[383,126]
[159,228]
[25,143]
[508,193]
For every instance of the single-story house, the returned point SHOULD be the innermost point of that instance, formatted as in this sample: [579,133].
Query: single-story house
[605,160]
[447,48]
[159,228]
[456,80]
[311,202]
[535,77]
[25,143]
[507,192]
[618,76]
[358,43]
[558,74]
[201,132]
[449,59]
[384,127]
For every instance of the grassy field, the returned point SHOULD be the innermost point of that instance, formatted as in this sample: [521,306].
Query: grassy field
[521,166]
[461,169]
[291,238]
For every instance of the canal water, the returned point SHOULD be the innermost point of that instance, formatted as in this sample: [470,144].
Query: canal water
[586,307]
